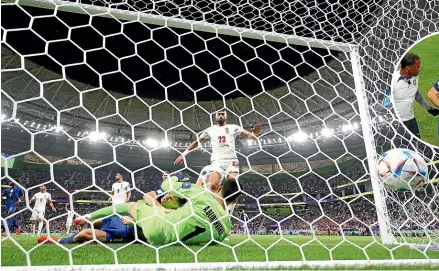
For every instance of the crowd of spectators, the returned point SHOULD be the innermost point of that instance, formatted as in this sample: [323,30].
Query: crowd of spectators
[314,199]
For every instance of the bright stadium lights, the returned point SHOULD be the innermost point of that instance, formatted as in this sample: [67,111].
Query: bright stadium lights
[32,125]
[326,132]
[38,125]
[300,136]
[347,128]
[151,143]
[94,136]
[164,143]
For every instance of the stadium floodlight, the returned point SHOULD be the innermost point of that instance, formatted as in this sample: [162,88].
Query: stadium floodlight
[95,136]
[326,132]
[300,136]
[151,142]
[164,143]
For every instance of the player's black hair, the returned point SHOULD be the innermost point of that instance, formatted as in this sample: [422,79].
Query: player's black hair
[408,60]
[181,201]
[231,190]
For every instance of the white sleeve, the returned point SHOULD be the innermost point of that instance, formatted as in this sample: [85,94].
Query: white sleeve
[49,197]
[238,130]
[127,186]
[205,134]
[34,197]
[112,188]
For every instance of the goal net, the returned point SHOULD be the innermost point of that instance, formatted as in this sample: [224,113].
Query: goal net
[95,89]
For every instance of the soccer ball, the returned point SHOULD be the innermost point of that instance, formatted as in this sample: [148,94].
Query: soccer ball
[402,170]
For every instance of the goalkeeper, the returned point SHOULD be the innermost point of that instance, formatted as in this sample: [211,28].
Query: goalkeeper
[195,222]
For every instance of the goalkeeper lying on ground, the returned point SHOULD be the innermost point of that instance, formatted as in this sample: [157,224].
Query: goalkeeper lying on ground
[203,217]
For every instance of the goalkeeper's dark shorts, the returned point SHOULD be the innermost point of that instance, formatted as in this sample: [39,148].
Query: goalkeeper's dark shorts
[412,126]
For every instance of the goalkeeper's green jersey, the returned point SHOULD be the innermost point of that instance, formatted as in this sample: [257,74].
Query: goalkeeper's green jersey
[196,222]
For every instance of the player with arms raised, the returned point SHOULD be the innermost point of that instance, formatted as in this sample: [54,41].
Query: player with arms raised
[40,199]
[224,162]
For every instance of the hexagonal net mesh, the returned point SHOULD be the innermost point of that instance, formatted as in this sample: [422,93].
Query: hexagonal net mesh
[98,91]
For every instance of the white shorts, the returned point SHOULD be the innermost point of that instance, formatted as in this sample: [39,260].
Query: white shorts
[37,214]
[224,167]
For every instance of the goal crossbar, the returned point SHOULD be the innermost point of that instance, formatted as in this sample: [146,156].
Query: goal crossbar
[153,19]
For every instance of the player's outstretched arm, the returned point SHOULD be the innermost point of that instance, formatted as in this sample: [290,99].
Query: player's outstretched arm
[433,95]
[151,199]
[252,135]
[425,104]
[192,146]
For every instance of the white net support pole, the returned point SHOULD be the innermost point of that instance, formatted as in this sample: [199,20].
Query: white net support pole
[185,24]
[366,124]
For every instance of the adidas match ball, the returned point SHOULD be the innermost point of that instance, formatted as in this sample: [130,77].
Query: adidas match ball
[402,170]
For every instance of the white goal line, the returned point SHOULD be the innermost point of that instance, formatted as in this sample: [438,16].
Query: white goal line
[185,24]
[229,266]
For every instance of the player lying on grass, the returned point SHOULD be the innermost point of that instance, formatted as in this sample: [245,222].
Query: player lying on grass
[191,223]
[110,229]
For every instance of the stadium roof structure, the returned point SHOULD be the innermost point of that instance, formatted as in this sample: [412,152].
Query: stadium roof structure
[287,106]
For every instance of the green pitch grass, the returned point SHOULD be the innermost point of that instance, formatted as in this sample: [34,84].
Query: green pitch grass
[429,53]
[248,250]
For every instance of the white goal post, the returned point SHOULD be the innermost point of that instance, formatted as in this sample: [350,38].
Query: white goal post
[356,73]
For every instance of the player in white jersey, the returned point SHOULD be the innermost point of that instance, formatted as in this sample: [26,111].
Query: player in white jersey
[69,221]
[40,199]
[224,162]
[120,191]
[405,92]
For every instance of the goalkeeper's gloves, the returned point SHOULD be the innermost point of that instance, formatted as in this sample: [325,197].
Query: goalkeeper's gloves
[433,111]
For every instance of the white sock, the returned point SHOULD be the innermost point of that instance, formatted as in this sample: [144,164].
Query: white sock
[68,229]
[40,227]
[33,229]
